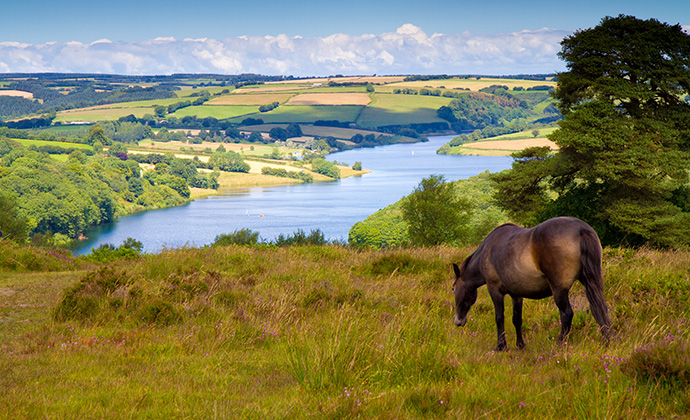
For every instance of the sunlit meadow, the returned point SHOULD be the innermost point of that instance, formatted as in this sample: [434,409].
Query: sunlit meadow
[327,332]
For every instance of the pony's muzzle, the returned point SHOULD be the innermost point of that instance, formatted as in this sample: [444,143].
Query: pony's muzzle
[459,322]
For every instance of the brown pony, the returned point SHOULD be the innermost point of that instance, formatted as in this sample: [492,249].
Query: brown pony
[534,263]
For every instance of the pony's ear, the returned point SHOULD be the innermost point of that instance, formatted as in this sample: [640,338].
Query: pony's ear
[457,270]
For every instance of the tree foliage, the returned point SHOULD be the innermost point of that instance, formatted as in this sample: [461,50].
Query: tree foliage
[435,214]
[44,198]
[12,224]
[324,167]
[228,161]
[624,143]
[387,229]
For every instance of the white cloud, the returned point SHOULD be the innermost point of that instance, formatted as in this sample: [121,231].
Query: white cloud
[408,50]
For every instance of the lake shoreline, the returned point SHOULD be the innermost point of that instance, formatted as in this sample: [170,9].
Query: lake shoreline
[393,172]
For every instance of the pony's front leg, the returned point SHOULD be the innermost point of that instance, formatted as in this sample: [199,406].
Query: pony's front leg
[499,307]
[517,321]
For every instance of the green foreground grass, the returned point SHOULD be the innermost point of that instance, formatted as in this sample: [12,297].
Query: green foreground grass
[325,332]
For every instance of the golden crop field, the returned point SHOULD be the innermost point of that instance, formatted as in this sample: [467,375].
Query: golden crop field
[351,79]
[19,93]
[511,144]
[472,83]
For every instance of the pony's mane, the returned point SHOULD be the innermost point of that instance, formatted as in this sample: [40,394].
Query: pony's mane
[465,263]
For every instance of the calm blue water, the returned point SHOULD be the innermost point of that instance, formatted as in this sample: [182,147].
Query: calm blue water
[332,207]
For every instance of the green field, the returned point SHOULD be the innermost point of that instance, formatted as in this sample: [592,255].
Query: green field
[543,132]
[308,113]
[146,104]
[316,131]
[101,114]
[37,143]
[388,109]
[186,91]
[216,111]
[68,130]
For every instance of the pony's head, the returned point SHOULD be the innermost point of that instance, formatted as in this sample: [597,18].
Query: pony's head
[465,294]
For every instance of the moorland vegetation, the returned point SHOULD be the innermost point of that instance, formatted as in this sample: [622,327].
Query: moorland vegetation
[326,331]
[303,328]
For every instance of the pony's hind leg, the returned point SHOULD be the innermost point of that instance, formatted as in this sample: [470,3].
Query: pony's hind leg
[563,303]
[517,321]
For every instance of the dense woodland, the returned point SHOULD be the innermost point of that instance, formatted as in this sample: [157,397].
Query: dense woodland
[55,201]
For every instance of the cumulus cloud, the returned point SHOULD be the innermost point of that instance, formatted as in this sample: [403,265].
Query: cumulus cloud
[408,50]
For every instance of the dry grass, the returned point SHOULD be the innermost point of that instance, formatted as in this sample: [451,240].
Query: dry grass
[472,84]
[511,145]
[330,99]
[238,180]
[19,93]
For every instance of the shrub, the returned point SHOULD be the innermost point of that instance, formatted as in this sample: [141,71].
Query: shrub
[239,237]
[82,302]
[324,167]
[667,361]
[315,237]
[130,248]
[159,312]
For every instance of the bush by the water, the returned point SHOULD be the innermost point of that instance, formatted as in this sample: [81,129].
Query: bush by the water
[302,176]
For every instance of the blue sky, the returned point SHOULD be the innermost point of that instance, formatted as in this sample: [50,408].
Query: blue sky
[303,37]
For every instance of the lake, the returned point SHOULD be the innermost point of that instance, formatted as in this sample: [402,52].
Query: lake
[333,207]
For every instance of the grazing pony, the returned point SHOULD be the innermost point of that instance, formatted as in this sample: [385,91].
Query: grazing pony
[534,263]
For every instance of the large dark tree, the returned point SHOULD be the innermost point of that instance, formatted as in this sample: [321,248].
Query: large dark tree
[624,142]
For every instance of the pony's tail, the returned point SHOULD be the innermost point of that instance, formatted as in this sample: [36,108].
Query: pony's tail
[590,257]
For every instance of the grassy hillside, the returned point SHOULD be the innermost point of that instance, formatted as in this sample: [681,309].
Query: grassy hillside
[237,332]
[401,110]
[387,229]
